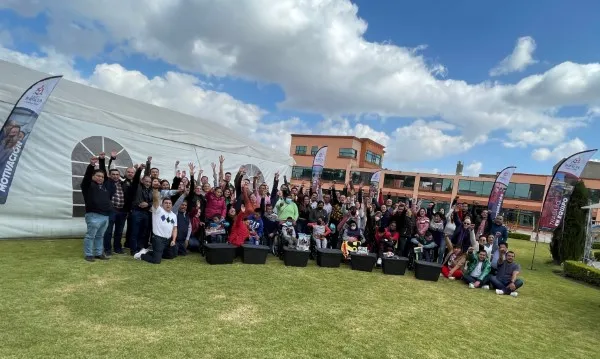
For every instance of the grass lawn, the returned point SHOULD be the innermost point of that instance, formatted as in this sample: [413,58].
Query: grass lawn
[53,304]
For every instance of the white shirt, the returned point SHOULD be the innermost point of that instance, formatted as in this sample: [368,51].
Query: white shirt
[163,222]
[477,270]
[327,207]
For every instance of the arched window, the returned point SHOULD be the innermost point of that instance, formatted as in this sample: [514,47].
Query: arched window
[80,159]
[251,172]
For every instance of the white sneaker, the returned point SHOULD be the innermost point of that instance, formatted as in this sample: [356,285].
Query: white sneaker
[451,278]
[378,261]
[138,255]
[471,286]
[499,292]
[144,251]
[514,294]
[486,287]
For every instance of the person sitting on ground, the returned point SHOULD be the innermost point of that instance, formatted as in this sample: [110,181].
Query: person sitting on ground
[506,280]
[387,240]
[454,262]
[289,233]
[320,231]
[478,270]
[164,229]
[427,247]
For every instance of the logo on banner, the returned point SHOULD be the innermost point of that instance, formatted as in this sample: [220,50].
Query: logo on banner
[574,165]
[40,91]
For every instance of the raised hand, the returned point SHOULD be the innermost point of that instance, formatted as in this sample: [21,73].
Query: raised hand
[149,159]
[214,166]
[94,161]
[102,155]
[142,165]
[221,159]
[192,168]
[113,154]
[243,170]
[183,174]
[176,163]
[135,167]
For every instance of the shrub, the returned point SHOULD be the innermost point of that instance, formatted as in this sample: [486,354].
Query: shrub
[597,256]
[516,235]
[582,272]
[596,245]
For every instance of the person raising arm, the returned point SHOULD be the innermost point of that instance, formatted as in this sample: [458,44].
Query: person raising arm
[164,229]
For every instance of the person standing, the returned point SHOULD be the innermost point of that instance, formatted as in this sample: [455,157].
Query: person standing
[164,229]
[98,207]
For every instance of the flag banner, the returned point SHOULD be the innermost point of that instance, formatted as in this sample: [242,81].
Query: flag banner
[18,127]
[498,191]
[318,164]
[376,177]
[563,182]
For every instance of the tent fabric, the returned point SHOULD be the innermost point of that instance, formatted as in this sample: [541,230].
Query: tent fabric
[78,121]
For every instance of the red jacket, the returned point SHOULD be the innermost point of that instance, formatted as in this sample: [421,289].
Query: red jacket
[239,230]
[215,206]
[379,236]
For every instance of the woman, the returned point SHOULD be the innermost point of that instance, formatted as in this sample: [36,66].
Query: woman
[240,231]
[352,238]
[304,209]
[215,204]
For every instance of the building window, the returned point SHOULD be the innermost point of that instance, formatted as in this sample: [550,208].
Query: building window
[302,173]
[594,195]
[364,177]
[372,157]
[300,150]
[330,174]
[314,150]
[436,184]
[533,192]
[347,152]
[399,181]
[475,188]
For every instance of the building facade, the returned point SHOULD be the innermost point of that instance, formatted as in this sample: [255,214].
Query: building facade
[523,199]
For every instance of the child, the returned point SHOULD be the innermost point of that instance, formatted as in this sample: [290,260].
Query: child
[425,247]
[320,232]
[255,227]
[216,230]
[289,233]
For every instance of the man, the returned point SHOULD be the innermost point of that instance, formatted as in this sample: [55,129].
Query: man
[505,281]
[225,177]
[97,209]
[164,229]
[118,215]
[499,229]
[140,214]
[478,269]
[318,212]
[126,185]
[499,251]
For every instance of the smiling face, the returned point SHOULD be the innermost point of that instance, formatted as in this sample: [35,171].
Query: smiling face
[115,175]
[167,204]
[146,181]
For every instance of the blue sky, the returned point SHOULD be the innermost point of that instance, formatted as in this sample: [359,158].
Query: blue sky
[437,82]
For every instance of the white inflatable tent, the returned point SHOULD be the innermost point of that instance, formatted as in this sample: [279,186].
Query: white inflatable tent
[78,120]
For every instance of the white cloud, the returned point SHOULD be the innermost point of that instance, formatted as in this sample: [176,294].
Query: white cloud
[521,57]
[473,169]
[315,50]
[341,127]
[559,152]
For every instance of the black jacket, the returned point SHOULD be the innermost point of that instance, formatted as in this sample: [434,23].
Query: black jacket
[96,197]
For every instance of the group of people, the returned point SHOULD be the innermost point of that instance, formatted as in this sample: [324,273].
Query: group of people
[169,218]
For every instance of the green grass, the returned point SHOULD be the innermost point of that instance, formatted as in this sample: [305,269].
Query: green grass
[53,304]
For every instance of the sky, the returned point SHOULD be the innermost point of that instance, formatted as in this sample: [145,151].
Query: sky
[435,82]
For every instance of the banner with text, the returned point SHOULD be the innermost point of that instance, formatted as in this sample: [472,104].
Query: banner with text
[498,191]
[318,165]
[18,127]
[561,187]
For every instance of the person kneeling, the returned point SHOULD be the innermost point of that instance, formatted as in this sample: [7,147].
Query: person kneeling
[478,270]
[164,229]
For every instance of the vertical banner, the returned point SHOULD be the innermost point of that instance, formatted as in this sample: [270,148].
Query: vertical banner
[318,164]
[375,178]
[498,191]
[563,182]
[18,127]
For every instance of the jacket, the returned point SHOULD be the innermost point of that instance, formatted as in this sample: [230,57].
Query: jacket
[472,261]
[96,197]
[215,206]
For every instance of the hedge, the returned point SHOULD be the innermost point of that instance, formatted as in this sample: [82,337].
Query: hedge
[516,235]
[596,245]
[597,256]
[582,272]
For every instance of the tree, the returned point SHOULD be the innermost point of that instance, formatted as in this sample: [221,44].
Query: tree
[570,246]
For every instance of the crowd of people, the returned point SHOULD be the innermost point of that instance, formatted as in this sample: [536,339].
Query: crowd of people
[166,219]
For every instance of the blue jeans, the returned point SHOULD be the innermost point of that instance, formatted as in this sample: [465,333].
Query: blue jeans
[116,220]
[94,237]
[140,223]
[468,279]
[503,284]
[442,252]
